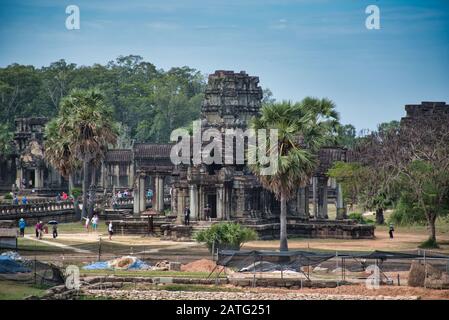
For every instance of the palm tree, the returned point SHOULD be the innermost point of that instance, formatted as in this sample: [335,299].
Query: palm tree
[85,128]
[57,151]
[302,129]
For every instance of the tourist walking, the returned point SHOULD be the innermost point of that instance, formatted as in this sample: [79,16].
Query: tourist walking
[391,230]
[64,196]
[87,223]
[22,225]
[40,230]
[36,229]
[207,212]
[55,231]
[187,216]
[110,230]
[24,200]
[94,222]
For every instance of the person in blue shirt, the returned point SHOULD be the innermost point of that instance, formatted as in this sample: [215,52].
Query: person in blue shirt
[24,200]
[22,225]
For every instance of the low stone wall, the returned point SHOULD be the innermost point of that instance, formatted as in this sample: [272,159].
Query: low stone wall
[40,210]
[317,229]
[141,226]
[344,229]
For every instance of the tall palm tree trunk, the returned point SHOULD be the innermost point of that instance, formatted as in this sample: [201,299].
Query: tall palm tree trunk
[283,246]
[71,183]
[85,187]
[92,191]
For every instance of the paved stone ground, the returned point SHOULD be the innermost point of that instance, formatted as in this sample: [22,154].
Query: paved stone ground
[190,295]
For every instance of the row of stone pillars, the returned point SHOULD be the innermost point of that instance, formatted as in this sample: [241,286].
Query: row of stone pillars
[140,198]
[320,199]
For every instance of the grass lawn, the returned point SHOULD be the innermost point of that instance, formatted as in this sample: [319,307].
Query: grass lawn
[71,227]
[10,290]
[31,245]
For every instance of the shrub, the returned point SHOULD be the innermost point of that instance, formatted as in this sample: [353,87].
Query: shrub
[360,218]
[429,244]
[406,214]
[225,235]
[8,196]
[76,192]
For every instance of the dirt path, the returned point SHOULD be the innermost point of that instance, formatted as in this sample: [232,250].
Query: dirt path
[401,241]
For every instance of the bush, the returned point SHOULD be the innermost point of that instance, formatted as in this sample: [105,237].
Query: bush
[76,192]
[360,218]
[225,235]
[8,196]
[406,214]
[429,244]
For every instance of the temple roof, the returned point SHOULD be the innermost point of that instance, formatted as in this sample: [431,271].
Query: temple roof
[152,150]
[119,155]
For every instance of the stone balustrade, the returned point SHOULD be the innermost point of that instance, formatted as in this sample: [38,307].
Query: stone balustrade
[36,209]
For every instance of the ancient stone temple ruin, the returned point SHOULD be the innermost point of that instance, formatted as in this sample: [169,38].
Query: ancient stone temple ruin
[229,190]
[32,171]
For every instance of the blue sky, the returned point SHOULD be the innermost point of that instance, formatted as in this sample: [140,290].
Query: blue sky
[297,47]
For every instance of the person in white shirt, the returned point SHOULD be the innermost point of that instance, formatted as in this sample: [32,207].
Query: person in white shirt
[110,230]
[94,222]
[87,224]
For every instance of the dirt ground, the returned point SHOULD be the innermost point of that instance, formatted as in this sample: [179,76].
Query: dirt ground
[401,241]
[360,289]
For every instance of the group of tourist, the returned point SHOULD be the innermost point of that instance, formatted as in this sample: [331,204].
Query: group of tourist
[119,195]
[207,214]
[93,221]
[16,201]
[64,196]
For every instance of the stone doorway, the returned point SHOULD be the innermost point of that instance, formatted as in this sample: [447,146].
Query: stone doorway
[212,201]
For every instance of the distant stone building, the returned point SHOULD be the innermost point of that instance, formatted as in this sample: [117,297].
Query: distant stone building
[230,190]
[427,109]
[32,171]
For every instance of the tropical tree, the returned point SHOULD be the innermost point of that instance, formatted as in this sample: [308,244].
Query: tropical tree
[6,136]
[58,152]
[302,129]
[82,132]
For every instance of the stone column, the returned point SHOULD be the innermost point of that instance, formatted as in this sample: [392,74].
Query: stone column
[193,201]
[159,193]
[181,205]
[38,178]
[136,197]
[117,174]
[142,200]
[303,203]
[102,175]
[19,177]
[220,203]
[131,174]
[322,198]
[174,200]
[341,208]
[315,197]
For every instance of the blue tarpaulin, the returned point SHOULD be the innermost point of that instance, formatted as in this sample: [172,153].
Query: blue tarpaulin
[8,265]
[106,265]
